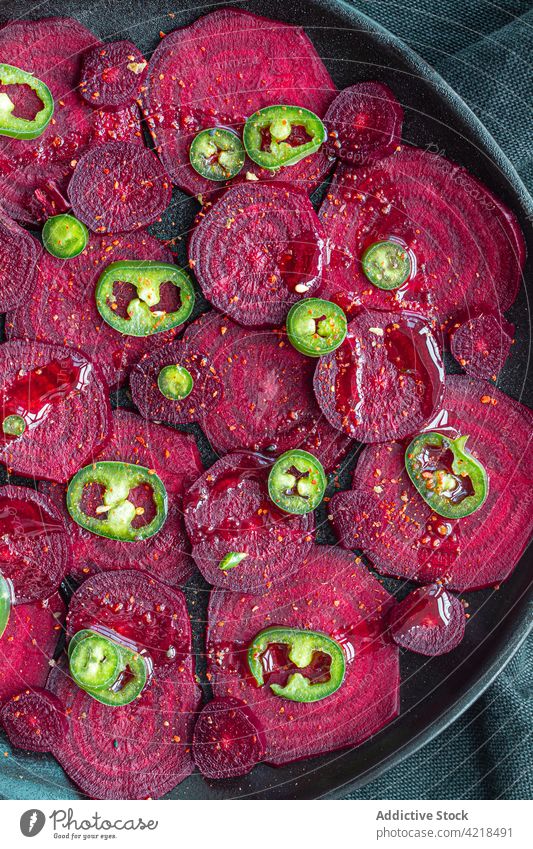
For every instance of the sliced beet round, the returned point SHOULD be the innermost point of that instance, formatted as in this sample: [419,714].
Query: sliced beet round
[337,597]
[19,255]
[257,251]
[385,380]
[429,621]
[195,352]
[28,644]
[218,72]
[267,401]
[228,511]
[482,344]
[118,187]
[112,74]
[139,609]
[228,741]
[467,246]
[138,751]
[34,720]
[35,551]
[62,306]
[54,409]
[384,515]
[364,123]
[34,173]
[175,458]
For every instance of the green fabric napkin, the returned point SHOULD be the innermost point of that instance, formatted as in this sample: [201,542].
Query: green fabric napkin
[484,51]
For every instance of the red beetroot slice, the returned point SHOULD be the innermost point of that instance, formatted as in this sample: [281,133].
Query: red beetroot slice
[228,741]
[195,351]
[34,173]
[468,246]
[219,71]
[482,344]
[118,187]
[228,510]
[364,123]
[138,751]
[385,516]
[62,307]
[138,609]
[176,460]
[28,644]
[35,551]
[19,254]
[333,595]
[257,251]
[385,380]
[112,75]
[63,400]
[34,720]
[429,621]
[267,401]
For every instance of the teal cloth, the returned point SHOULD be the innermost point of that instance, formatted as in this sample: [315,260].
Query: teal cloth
[484,51]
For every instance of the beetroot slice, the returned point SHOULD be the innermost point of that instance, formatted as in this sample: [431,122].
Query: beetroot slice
[34,720]
[364,123]
[468,246]
[34,174]
[267,401]
[482,344]
[112,75]
[62,396]
[385,380]
[62,307]
[35,552]
[228,741]
[139,609]
[138,751]
[28,644]
[228,510]
[257,251]
[118,187]
[331,594]
[384,515]
[430,621]
[219,71]
[19,254]
[195,352]
[176,460]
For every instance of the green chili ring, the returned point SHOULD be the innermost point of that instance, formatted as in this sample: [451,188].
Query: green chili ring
[279,121]
[316,327]
[6,596]
[147,277]
[438,487]
[297,482]
[217,154]
[175,382]
[118,480]
[64,236]
[303,645]
[117,690]
[23,128]
[387,264]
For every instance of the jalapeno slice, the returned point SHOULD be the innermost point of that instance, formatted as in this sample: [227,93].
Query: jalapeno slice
[297,482]
[217,154]
[23,128]
[94,662]
[175,382]
[107,670]
[5,602]
[13,425]
[446,475]
[64,236]
[387,264]
[150,287]
[232,559]
[316,327]
[116,516]
[320,658]
[282,135]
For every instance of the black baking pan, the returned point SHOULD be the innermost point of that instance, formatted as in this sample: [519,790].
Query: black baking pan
[434,691]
